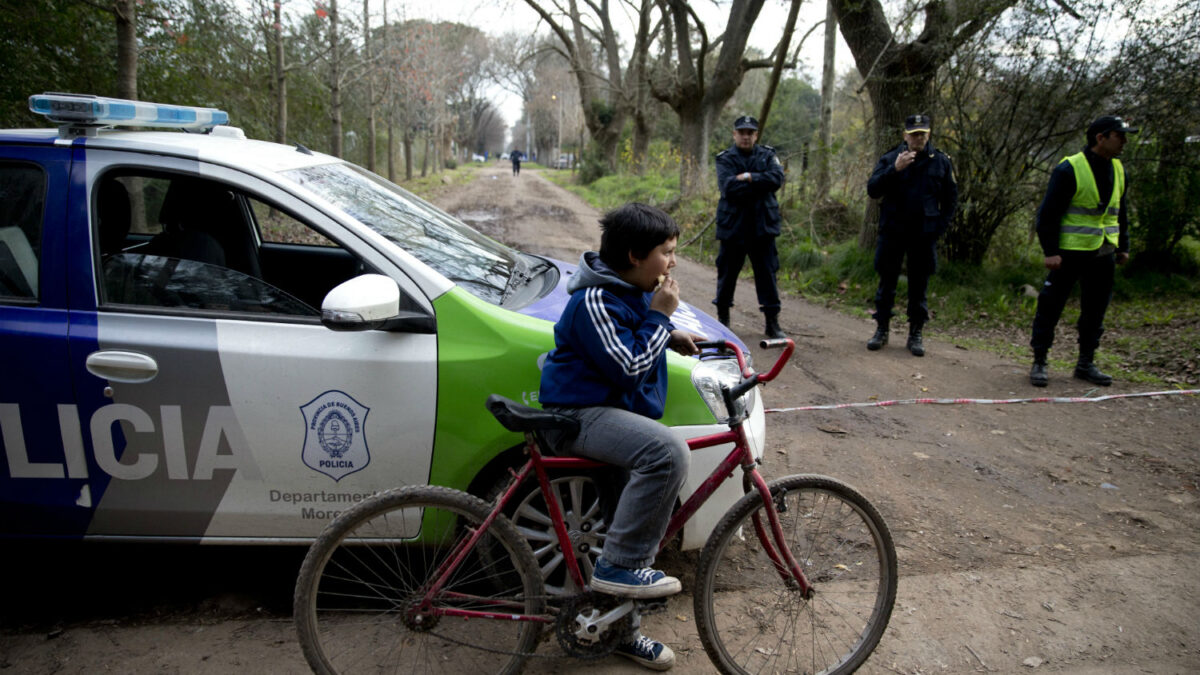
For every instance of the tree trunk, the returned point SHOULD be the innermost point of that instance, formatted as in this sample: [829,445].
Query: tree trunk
[391,147]
[127,49]
[408,157]
[370,87]
[825,144]
[281,109]
[425,156]
[694,127]
[335,85]
[640,144]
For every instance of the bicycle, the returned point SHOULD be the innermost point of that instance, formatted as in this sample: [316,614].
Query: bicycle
[798,576]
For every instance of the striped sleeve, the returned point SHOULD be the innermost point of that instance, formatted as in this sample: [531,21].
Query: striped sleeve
[626,355]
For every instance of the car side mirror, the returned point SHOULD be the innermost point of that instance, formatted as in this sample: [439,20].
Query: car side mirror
[371,302]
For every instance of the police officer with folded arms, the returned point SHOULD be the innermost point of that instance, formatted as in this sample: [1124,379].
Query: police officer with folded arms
[1083,227]
[748,176]
[915,183]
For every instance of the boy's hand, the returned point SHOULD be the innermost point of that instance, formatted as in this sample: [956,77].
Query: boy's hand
[685,342]
[666,298]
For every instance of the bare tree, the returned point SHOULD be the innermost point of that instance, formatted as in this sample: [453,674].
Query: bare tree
[513,66]
[680,80]
[1014,100]
[608,95]
[899,75]
[270,22]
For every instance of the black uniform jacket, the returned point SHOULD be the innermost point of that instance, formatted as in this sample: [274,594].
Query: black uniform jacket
[918,200]
[748,208]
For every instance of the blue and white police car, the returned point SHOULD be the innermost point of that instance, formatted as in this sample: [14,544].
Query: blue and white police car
[215,339]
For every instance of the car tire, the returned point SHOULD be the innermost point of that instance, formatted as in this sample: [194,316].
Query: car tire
[583,513]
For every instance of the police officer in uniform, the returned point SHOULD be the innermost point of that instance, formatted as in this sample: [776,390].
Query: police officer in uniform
[916,185]
[1083,228]
[748,221]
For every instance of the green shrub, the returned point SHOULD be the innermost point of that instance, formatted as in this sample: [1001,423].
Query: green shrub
[592,168]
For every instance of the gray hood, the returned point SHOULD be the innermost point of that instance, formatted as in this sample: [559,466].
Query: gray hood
[593,272]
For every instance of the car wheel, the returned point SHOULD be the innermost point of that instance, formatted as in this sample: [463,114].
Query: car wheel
[584,518]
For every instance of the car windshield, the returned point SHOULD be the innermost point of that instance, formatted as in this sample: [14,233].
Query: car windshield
[481,265]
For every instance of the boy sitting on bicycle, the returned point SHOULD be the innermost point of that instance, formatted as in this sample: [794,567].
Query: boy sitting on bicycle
[609,371]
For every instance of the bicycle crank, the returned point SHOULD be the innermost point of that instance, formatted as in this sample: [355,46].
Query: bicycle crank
[591,625]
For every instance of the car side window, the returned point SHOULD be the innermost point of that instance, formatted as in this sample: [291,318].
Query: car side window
[22,198]
[184,242]
[279,228]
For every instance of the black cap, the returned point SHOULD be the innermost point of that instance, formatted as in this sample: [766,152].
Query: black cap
[1107,123]
[745,122]
[914,123]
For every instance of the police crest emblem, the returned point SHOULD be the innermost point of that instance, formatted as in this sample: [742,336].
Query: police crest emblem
[335,442]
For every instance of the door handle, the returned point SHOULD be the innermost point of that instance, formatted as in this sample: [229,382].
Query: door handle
[120,366]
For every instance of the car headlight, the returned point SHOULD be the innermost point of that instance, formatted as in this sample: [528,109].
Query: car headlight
[709,376]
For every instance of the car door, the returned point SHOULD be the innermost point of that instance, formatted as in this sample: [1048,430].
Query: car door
[40,487]
[230,412]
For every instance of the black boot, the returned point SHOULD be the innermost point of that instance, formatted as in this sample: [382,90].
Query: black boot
[914,341]
[723,315]
[1085,369]
[773,331]
[880,338]
[1038,375]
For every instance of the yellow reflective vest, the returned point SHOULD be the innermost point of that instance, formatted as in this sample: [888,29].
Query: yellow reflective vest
[1088,223]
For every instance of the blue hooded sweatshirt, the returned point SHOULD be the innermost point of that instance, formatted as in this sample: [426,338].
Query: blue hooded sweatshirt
[609,346]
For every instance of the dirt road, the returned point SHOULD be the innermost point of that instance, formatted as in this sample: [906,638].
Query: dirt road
[1058,538]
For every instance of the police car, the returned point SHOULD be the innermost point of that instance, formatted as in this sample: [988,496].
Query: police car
[215,339]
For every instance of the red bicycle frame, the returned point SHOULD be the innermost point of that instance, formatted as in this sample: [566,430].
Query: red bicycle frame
[770,534]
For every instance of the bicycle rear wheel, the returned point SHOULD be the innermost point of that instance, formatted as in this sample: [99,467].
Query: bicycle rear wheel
[751,622]
[357,605]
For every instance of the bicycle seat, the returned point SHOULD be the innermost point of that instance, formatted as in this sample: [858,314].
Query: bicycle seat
[516,417]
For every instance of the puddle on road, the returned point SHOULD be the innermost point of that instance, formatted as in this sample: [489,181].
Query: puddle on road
[478,216]
[556,212]
[487,221]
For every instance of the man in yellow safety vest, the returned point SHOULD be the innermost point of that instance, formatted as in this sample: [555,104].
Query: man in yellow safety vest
[1083,228]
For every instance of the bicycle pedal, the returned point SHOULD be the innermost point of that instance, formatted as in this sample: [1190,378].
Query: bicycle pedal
[654,606]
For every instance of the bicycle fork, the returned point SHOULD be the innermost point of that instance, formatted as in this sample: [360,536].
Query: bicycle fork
[781,556]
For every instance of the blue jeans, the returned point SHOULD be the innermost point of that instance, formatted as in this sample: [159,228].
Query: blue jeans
[655,463]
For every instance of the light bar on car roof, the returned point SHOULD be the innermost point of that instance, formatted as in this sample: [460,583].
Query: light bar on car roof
[84,109]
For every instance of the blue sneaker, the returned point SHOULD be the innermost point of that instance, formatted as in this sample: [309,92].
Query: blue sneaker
[647,652]
[640,583]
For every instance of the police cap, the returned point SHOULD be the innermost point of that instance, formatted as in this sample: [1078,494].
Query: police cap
[915,123]
[745,122]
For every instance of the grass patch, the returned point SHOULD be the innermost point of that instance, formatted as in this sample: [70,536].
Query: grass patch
[430,186]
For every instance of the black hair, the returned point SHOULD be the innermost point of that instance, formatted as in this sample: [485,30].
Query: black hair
[633,229]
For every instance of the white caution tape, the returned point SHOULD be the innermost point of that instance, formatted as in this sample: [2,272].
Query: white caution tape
[984,401]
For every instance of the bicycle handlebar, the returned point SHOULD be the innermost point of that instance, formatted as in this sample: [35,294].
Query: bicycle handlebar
[749,377]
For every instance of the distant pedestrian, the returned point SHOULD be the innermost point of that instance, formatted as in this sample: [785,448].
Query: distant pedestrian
[1083,227]
[516,158]
[915,184]
[748,176]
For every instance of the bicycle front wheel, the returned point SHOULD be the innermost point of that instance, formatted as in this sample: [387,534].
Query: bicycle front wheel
[362,603]
[750,621]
